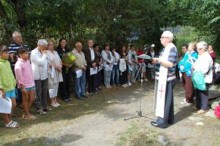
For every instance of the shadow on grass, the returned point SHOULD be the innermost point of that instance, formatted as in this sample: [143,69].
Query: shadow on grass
[65,139]
[77,108]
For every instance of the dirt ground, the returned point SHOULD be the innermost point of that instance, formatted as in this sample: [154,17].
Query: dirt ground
[99,121]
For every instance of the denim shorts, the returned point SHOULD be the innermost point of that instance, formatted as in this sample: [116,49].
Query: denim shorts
[29,89]
[10,94]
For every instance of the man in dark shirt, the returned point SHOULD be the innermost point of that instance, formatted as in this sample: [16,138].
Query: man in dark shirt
[13,47]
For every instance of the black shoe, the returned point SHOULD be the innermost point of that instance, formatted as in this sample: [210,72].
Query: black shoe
[80,98]
[66,100]
[155,124]
[84,96]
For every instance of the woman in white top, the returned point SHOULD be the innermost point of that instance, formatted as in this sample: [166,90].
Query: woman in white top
[55,73]
[108,64]
[203,64]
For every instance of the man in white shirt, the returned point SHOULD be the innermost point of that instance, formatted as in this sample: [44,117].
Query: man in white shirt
[39,65]
[92,62]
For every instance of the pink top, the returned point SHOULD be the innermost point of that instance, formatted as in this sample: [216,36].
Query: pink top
[24,74]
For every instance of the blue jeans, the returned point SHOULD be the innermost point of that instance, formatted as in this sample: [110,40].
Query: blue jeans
[80,84]
[115,72]
[107,77]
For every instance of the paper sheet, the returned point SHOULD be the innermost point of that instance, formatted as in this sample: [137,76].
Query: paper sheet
[5,105]
[108,67]
[100,68]
[78,73]
[93,71]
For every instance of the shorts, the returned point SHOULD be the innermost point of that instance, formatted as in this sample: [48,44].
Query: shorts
[130,72]
[29,89]
[10,94]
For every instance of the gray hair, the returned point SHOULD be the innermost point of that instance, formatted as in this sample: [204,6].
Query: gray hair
[15,33]
[42,42]
[168,34]
[202,45]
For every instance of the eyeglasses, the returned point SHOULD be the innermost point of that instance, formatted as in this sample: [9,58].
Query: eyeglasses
[163,37]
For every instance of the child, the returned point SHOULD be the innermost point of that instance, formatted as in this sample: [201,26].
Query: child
[25,81]
[7,85]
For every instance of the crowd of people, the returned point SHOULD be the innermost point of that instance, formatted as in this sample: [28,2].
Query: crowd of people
[31,75]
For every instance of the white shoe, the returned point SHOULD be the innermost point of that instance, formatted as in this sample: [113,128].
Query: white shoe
[109,86]
[125,85]
[129,84]
[57,104]
[183,102]
[187,104]
[54,105]
[145,80]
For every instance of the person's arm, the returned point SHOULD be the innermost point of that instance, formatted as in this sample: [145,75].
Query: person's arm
[1,88]
[36,59]
[104,57]
[18,75]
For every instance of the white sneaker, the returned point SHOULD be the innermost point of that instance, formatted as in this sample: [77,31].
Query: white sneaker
[129,84]
[187,104]
[183,102]
[145,80]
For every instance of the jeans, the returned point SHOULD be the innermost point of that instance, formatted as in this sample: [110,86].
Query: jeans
[80,84]
[115,74]
[107,77]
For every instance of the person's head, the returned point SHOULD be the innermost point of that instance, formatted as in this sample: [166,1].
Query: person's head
[96,47]
[42,44]
[107,46]
[90,43]
[210,49]
[4,52]
[17,37]
[132,48]
[202,47]
[50,45]
[151,48]
[124,49]
[184,48]
[22,53]
[192,46]
[114,49]
[166,38]
[62,43]
[78,46]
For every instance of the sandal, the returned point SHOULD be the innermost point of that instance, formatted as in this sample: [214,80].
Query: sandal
[12,124]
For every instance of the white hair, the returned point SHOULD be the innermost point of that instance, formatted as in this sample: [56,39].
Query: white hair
[202,45]
[15,33]
[168,34]
[42,42]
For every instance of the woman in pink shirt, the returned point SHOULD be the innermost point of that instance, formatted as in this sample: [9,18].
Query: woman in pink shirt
[25,81]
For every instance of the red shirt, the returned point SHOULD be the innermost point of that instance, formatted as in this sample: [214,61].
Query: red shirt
[140,53]
[213,55]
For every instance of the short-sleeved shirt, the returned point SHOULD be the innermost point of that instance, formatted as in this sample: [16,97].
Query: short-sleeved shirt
[172,57]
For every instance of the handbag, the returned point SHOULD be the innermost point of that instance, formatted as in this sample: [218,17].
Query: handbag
[51,78]
[198,80]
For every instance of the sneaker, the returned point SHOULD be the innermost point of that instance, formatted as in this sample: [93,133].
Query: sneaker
[145,80]
[187,104]
[183,102]
[41,112]
[129,84]
[66,100]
